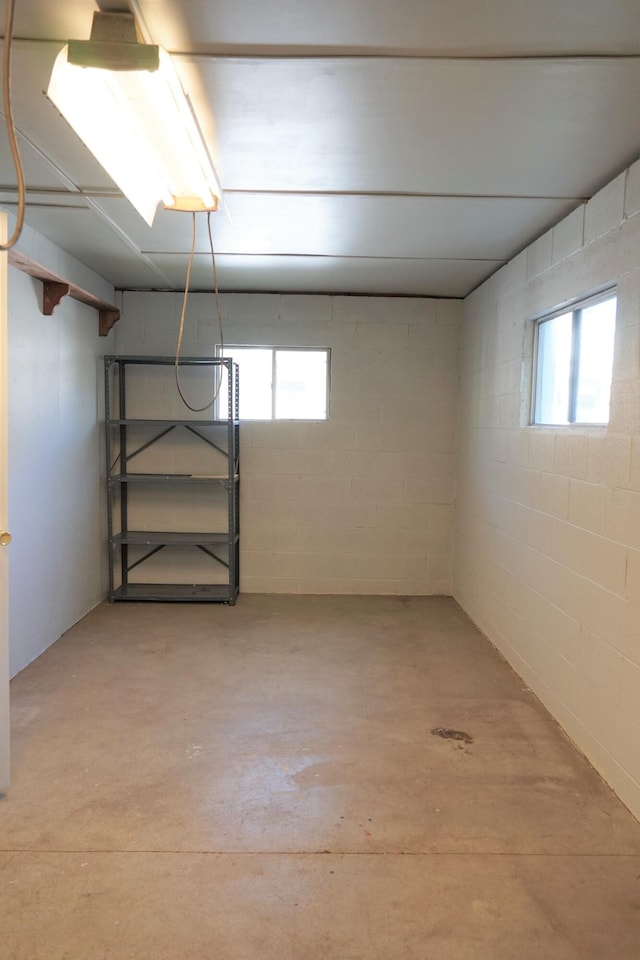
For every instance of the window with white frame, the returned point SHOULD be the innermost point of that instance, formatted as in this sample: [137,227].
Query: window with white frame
[574,362]
[280,383]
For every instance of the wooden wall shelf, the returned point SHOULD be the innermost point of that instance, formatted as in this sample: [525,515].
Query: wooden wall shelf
[54,288]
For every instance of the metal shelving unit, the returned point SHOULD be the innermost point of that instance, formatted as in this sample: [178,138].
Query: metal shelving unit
[173,483]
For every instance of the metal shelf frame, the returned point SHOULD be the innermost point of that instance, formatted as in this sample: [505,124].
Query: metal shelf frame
[221,434]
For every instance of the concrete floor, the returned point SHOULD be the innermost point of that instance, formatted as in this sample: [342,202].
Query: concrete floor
[262,783]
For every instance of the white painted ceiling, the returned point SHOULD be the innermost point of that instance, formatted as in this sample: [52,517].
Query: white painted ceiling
[364,146]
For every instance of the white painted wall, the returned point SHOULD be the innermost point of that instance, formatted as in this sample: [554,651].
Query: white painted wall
[56,461]
[362,503]
[547,557]
[5,766]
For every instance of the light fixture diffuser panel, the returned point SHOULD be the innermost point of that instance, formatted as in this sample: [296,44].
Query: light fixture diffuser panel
[139,126]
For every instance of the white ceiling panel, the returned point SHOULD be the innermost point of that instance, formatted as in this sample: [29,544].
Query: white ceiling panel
[424,227]
[427,227]
[38,19]
[515,128]
[436,278]
[511,27]
[87,237]
[38,170]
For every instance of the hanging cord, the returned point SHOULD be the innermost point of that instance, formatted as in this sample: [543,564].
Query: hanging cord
[11,130]
[183,314]
[215,286]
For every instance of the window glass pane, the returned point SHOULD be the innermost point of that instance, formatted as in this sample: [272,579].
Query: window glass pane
[255,368]
[595,362]
[553,370]
[301,384]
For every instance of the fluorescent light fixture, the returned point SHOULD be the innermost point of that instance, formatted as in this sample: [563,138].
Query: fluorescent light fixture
[125,101]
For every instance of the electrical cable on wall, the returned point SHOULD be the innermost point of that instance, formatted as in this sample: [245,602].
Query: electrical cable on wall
[183,314]
[11,130]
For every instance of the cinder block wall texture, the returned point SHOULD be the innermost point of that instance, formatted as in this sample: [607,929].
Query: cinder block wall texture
[547,548]
[362,503]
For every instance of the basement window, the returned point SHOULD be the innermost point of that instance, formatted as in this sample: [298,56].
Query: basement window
[280,383]
[574,362]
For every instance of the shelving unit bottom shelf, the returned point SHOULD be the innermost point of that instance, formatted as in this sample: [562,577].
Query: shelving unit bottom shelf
[176,592]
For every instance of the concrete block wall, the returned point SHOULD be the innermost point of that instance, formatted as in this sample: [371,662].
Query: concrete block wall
[57,559]
[362,503]
[547,548]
